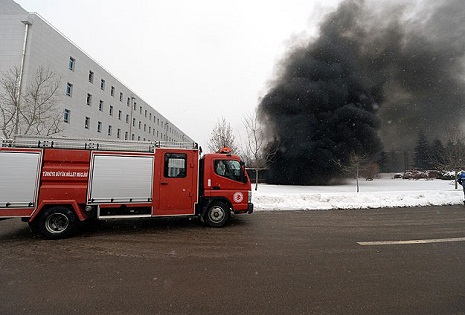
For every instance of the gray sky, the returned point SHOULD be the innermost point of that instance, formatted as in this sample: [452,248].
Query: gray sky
[193,61]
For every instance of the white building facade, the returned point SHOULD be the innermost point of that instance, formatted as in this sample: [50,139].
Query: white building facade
[94,103]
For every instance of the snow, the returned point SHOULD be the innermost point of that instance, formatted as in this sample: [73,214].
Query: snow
[384,192]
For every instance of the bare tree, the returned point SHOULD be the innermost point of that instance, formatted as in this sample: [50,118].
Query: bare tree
[32,111]
[255,151]
[357,164]
[222,136]
[453,157]
[9,101]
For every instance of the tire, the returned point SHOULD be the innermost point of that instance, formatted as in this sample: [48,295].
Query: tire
[57,223]
[217,214]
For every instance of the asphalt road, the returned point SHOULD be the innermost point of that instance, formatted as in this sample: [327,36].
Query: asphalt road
[300,262]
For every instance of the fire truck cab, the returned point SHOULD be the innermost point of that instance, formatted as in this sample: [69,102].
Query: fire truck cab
[54,184]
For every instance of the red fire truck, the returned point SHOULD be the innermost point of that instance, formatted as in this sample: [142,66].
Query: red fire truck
[55,184]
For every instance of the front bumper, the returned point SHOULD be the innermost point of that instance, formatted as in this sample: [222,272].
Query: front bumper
[249,209]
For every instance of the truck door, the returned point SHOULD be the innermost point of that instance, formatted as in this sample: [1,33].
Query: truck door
[19,181]
[225,181]
[177,182]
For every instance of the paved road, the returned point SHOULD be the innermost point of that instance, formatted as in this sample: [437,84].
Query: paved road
[307,262]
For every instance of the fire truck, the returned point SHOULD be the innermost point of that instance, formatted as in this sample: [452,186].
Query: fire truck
[56,184]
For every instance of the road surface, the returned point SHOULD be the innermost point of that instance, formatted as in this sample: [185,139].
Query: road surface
[384,261]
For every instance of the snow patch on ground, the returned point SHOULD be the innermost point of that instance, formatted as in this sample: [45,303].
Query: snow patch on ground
[378,193]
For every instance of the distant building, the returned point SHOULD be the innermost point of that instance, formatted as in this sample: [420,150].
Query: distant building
[95,104]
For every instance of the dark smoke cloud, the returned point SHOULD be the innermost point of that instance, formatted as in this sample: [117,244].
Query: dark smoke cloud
[373,78]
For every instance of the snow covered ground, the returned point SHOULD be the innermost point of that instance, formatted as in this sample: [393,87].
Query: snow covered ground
[378,193]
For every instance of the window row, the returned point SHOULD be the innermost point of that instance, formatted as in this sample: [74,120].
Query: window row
[151,131]
[145,113]
[91,75]
[130,101]
[87,125]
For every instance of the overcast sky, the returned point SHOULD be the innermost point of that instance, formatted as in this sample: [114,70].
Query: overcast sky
[193,61]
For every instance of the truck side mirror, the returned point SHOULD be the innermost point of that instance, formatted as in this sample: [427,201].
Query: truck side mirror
[243,176]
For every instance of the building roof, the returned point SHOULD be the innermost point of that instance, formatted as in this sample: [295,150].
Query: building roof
[8,7]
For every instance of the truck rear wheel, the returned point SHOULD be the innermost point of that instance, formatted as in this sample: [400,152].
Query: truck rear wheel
[217,214]
[58,222]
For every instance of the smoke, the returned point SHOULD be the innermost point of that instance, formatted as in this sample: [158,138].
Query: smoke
[372,79]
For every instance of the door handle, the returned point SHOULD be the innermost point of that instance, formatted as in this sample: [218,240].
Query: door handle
[164,183]
[216,187]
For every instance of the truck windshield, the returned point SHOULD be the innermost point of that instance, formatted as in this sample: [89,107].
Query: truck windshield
[228,168]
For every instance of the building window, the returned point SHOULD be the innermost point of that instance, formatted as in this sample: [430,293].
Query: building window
[145,127]
[121,96]
[71,63]
[132,137]
[135,106]
[118,133]
[102,84]
[127,119]
[111,110]
[91,76]
[100,106]
[120,114]
[99,126]
[150,129]
[126,135]
[112,91]
[66,116]
[133,122]
[110,129]
[150,116]
[145,113]
[128,102]
[89,99]
[69,89]
[87,123]
[140,124]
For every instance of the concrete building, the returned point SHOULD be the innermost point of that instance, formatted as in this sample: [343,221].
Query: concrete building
[95,104]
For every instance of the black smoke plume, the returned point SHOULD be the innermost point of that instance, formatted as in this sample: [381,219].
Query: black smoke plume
[374,77]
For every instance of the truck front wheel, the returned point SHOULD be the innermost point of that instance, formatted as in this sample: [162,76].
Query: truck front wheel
[58,222]
[217,214]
